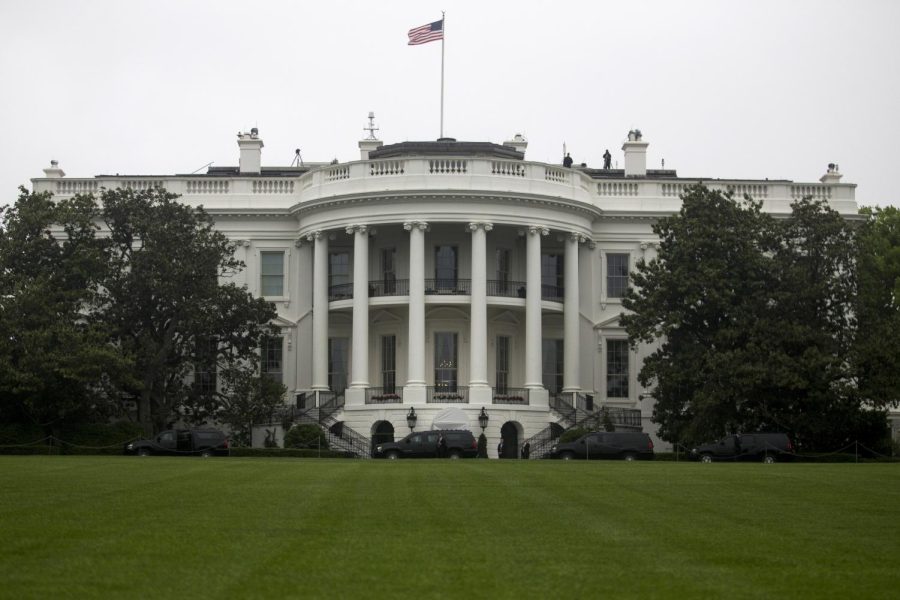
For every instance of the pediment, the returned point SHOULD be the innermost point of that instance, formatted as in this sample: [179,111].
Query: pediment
[506,316]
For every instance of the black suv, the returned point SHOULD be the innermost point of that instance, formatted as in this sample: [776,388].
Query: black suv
[606,445]
[767,447]
[182,442]
[460,443]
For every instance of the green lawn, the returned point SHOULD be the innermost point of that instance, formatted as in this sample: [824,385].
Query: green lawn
[124,527]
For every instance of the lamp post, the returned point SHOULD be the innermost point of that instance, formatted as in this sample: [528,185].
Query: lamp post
[411,418]
[483,419]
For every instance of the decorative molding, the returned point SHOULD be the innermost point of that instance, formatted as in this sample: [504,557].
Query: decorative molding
[471,227]
[538,230]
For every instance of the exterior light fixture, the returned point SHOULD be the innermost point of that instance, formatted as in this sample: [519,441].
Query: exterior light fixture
[411,418]
[483,419]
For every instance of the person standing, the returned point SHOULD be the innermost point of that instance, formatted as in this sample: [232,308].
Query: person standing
[526,450]
[567,161]
[500,449]
[442,446]
[607,159]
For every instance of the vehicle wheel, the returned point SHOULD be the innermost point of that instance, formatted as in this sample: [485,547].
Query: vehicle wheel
[567,456]
[206,453]
[392,455]
[454,455]
[630,457]
[706,458]
[143,452]
[769,459]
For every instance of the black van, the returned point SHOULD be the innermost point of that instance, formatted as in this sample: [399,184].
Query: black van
[765,447]
[622,445]
[460,443]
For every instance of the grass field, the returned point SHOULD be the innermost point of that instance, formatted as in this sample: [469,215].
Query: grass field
[124,527]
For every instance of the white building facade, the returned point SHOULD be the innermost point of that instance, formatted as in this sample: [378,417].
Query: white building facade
[449,279]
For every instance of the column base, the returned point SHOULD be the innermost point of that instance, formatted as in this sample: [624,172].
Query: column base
[481,395]
[414,394]
[539,397]
[355,396]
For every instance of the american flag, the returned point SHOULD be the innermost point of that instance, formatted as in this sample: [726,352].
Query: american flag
[426,33]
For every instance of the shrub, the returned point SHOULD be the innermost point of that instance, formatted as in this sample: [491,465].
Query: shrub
[482,446]
[289,453]
[572,434]
[306,436]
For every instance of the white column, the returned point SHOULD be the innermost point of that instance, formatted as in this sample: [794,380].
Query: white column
[533,332]
[414,391]
[359,377]
[320,310]
[571,355]
[478,321]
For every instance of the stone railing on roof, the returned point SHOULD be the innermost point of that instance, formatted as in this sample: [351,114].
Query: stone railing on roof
[477,175]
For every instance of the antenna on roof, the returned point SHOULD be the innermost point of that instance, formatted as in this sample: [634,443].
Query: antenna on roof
[298,160]
[203,167]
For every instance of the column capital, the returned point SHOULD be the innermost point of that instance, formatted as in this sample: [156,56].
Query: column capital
[314,235]
[420,225]
[242,243]
[576,237]
[475,225]
[538,230]
[351,229]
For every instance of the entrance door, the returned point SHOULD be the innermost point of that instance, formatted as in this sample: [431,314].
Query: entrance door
[382,433]
[510,435]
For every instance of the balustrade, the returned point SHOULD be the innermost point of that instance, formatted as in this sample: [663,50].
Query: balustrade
[447,394]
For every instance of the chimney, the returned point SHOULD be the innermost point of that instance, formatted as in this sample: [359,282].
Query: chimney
[54,172]
[371,142]
[518,142]
[635,155]
[251,151]
[832,175]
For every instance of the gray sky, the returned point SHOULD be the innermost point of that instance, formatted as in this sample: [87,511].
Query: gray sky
[726,89]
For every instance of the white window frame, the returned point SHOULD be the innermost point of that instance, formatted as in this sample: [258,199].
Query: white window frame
[286,272]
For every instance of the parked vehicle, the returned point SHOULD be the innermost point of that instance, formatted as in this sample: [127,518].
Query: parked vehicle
[765,447]
[459,443]
[182,442]
[613,445]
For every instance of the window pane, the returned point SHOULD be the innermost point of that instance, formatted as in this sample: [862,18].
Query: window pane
[552,358]
[389,363]
[617,368]
[337,365]
[338,268]
[272,358]
[445,365]
[616,275]
[272,270]
[552,270]
[445,266]
[502,364]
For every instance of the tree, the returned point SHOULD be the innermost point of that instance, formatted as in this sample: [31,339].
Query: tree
[246,399]
[55,363]
[699,300]
[753,320]
[165,304]
[877,349]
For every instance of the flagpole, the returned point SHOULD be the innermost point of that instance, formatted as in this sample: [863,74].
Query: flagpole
[443,37]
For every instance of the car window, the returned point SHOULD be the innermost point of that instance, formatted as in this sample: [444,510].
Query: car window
[415,439]
[167,436]
[432,438]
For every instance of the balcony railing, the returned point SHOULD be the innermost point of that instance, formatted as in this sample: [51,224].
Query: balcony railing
[510,396]
[389,287]
[448,286]
[447,395]
[507,289]
[341,291]
[380,396]
[553,293]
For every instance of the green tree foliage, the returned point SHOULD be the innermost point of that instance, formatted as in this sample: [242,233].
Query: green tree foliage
[86,319]
[245,398]
[306,436]
[752,317]
[877,353]
[55,363]
[165,303]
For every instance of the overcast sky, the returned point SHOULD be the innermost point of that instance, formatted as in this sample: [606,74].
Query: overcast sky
[725,89]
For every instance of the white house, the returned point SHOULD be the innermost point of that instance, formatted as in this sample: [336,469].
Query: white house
[449,277]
